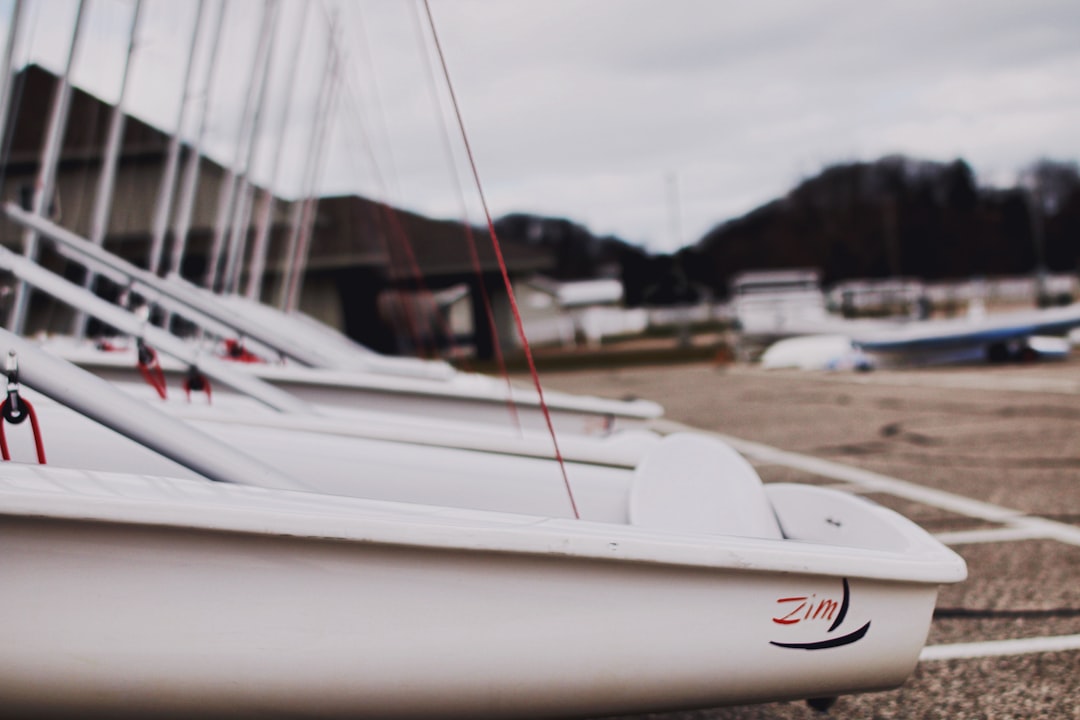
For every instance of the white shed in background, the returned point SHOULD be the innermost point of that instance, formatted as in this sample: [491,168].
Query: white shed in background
[576,312]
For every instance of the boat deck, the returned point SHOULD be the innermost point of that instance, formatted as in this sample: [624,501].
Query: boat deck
[984,458]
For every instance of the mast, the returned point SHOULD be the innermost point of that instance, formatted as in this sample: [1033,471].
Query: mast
[311,204]
[46,178]
[186,202]
[107,180]
[264,218]
[227,193]
[5,67]
[290,287]
[242,209]
[172,162]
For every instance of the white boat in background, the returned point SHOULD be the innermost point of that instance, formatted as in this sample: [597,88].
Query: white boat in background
[341,352]
[1019,335]
[1005,337]
[816,352]
[330,457]
[327,368]
[135,595]
[785,311]
[472,418]
[463,397]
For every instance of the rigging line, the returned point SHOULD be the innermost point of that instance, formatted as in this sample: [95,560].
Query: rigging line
[424,345]
[407,267]
[401,254]
[319,154]
[499,257]
[384,221]
[392,238]
[411,272]
[388,218]
[470,238]
[352,95]
[391,185]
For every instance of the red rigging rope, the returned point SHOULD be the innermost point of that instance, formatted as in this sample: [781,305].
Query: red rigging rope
[499,258]
[151,369]
[470,238]
[15,409]
[384,215]
[402,307]
[400,252]
[236,352]
[196,381]
[15,415]
[425,344]
[410,310]
[5,411]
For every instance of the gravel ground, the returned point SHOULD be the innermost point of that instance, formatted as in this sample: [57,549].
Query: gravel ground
[1005,435]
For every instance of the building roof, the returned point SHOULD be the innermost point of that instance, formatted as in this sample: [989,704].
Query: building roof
[355,230]
[349,230]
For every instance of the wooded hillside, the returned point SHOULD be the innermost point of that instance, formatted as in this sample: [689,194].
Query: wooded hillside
[896,216]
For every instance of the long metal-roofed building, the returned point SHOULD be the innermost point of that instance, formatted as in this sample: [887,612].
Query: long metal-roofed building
[369,265]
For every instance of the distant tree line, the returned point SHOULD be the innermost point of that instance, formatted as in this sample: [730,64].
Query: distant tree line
[896,216]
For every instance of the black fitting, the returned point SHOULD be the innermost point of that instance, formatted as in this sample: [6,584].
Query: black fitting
[13,410]
[146,355]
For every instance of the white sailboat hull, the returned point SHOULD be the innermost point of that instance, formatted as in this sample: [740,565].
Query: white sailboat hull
[134,596]
[468,397]
[323,455]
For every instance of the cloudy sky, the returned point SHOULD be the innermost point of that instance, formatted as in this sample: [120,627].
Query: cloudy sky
[650,119]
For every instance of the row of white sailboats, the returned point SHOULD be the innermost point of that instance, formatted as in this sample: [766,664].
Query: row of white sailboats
[331,532]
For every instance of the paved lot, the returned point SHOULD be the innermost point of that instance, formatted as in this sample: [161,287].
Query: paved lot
[1001,444]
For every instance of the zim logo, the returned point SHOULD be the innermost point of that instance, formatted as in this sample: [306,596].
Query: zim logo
[811,609]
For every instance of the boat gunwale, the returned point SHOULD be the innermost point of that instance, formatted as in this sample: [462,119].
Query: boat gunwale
[205,506]
[421,387]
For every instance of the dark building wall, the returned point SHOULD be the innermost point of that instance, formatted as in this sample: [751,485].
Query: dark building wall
[360,247]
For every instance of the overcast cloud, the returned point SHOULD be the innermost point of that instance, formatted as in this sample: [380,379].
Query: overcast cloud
[595,110]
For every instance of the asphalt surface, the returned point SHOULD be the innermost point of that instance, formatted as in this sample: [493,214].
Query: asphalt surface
[1006,437]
